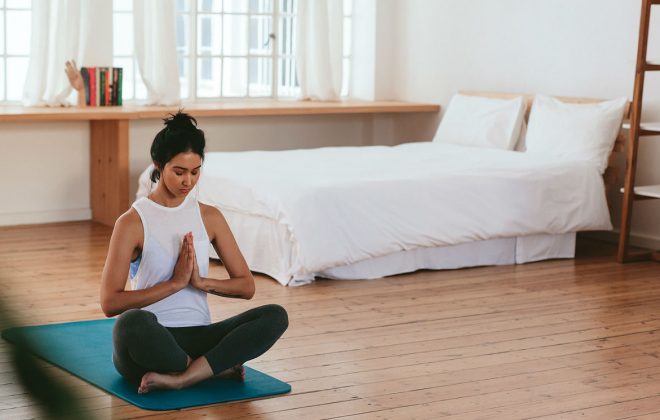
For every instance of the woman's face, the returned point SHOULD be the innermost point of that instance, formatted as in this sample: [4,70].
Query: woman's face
[181,173]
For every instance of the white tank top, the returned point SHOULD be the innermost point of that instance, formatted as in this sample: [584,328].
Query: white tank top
[164,229]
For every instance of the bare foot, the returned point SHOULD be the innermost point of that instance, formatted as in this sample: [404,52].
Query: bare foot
[153,380]
[236,372]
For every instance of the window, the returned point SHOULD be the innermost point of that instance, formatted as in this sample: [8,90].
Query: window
[15,24]
[237,48]
[122,45]
[226,48]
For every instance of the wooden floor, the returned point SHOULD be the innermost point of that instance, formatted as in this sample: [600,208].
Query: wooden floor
[559,339]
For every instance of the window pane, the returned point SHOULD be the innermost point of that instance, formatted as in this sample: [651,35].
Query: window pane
[19,4]
[18,32]
[184,76]
[122,34]
[347,36]
[182,5]
[2,31]
[236,6]
[122,5]
[182,33]
[235,35]
[288,6]
[2,79]
[127,77]
[234,77]
[348,7]
[345,77]
[209,35]
[260,29]
[288,84]
[140,88]
[2,3]
[16,71]
[209,6]
[286,36]
[261,6]
[261,72]
[208,77]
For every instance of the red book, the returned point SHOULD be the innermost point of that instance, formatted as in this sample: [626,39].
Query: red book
[92,86]
[108,78]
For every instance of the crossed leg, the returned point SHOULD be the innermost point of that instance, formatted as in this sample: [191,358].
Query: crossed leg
[219,349]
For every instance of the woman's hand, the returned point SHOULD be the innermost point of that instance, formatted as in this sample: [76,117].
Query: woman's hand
[195,279]
[184,264]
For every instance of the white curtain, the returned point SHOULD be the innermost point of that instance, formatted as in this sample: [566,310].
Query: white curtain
[155,50]
[319,49]
[65,30]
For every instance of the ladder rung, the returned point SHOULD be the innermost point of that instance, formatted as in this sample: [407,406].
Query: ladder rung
[651,66]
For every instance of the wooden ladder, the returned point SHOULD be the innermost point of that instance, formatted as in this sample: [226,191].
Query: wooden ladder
[637,129]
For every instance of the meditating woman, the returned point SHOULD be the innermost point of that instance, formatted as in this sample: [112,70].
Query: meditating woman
[164,337]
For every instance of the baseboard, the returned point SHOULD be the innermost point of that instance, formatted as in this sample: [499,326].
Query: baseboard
[37,217]
[639,240]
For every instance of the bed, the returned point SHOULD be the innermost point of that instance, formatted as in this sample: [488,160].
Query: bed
[373,211]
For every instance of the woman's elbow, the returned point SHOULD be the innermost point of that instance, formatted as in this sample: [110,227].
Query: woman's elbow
[250,289]
[109,310]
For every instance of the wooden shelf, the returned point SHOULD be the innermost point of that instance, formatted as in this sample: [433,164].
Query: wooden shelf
[646,129]
[212,109]
[646,191]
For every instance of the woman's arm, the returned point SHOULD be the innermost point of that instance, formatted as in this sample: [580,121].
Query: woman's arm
[240,283]
[125,238]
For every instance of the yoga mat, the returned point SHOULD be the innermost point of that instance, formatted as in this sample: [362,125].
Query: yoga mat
[85,349]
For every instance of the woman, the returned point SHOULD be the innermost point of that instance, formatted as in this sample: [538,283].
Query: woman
[164,337]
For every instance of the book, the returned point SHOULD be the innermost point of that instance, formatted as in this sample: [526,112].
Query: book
[92,86]
[103,85]
[120,83]
[84,73]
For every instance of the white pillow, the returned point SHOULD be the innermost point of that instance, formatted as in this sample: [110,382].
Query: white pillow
[482,122]
[574,131]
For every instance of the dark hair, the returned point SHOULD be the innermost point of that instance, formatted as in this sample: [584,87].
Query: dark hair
[179,135]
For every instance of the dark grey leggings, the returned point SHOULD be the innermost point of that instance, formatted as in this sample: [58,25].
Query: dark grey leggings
[141,344]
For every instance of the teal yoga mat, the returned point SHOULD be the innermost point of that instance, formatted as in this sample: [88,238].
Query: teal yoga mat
[85,349]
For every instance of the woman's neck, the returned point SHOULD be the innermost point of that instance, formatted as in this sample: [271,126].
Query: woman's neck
[165,198]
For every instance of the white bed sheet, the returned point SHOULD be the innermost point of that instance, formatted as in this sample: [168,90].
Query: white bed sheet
[378,201]
[267,249]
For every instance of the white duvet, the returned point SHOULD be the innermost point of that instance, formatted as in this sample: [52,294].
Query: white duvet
[343,205]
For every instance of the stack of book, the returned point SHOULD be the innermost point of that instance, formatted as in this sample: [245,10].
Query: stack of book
[102,85]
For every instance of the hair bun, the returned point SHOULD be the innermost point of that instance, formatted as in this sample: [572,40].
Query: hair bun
[181,121]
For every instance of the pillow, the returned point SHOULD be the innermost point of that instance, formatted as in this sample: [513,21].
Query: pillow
[574,131]
[482,122]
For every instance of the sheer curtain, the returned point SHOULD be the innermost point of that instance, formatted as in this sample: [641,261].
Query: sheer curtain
[319,49]
[155,50]
[65,30]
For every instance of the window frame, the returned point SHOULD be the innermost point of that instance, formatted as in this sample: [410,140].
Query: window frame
[5,56]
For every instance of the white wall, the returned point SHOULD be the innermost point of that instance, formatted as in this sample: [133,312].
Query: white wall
[46,164]
[558,47]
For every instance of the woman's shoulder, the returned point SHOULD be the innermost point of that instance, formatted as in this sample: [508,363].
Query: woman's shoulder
[209,211]
[129,222]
